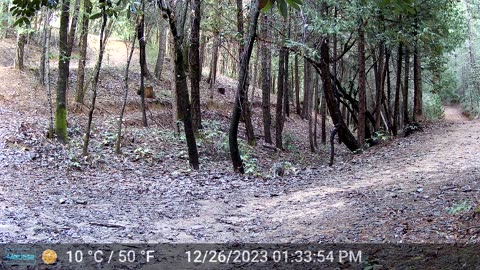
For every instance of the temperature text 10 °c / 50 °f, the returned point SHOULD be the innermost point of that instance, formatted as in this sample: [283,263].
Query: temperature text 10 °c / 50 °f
[110,256]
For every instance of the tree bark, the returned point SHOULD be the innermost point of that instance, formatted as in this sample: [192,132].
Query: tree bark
[324,68]
[279,113]
[143,62]
[417,84]
[96,76]
[406,119]
[125,96]
[81,88]
[362,89]
[241,89]
[195,65]
[63,72]
[396,106]
[162,39]
[21,41]
[213,67]
[297,88]
[266,81]
[181,88]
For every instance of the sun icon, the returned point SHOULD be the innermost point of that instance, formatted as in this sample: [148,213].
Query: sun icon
[49,256]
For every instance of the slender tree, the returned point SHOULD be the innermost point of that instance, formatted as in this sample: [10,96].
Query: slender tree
[362,90]
[125,95]
[81,88]
[181,85]
[195,72]
[63,71]
[279,112]
[266,80]
[242,88]
[98,66]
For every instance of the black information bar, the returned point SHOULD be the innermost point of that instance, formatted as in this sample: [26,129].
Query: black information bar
[240,256]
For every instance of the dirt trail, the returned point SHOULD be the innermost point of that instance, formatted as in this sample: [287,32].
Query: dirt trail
[395,193]
[399,198]
[454,114]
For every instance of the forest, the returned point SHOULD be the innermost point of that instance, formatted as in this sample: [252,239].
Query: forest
[282,121]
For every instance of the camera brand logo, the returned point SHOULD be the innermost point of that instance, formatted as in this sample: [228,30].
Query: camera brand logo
[20,256]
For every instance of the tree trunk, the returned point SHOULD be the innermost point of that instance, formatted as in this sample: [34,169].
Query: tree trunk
[80,92]
[21,41]
[417,84]
[162,41]
[48,34]
[323,112]
[286,102]
[324,68]
[396,106]
[266,81]
[45,45]
[195,65]
[96,76]
[213,67]
[143,62]
[181,89]
[279,114]
[406,119]
[242,88]
[63,71]
[378,68]
[362,89]
[125,96]
[297,88]
[306,90]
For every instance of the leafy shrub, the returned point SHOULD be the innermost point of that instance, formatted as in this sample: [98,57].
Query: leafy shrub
[289,140]
[459,208]
[433,106]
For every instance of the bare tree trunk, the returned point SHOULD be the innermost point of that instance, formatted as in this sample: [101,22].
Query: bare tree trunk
[63,72]
[213,67]
[406,119]
[162,41]
[125,96]
[45,45]
[324,68]
[195,66]
[181,86]
[242,88]
[266,81]
[306,90]
[417,85]
[297,88]
[323,112]
[21,41]
[143,62]
[103,39]
[396,106]
[362,90]
[81,88]
[47,79]
[279,113]
[286,102]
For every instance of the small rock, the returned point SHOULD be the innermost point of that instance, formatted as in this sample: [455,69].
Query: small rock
[62,201]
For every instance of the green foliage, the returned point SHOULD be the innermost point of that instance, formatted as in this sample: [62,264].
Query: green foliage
[213,140]
[250,165]
[433,106]
[289,142]
[266,5]
[459,208]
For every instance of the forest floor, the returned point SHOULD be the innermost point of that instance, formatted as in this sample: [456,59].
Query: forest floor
[398,191]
